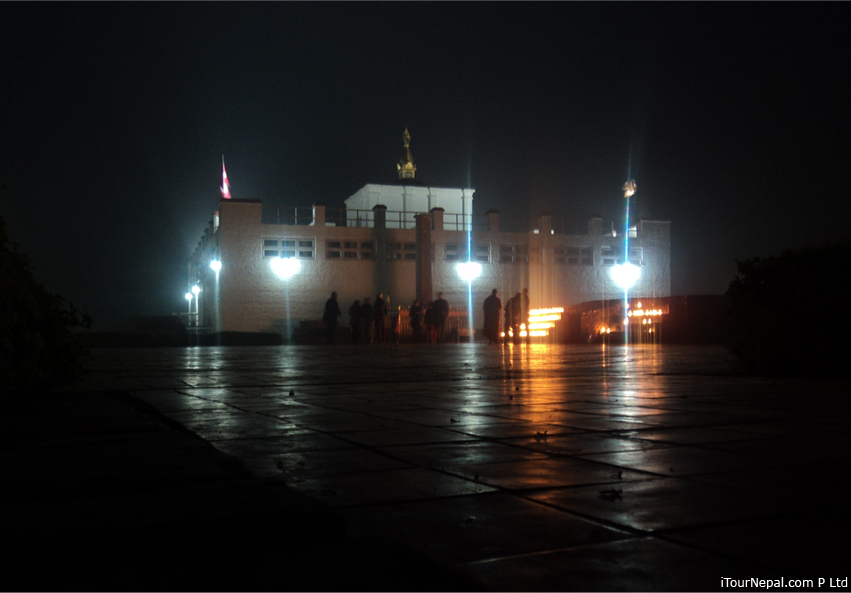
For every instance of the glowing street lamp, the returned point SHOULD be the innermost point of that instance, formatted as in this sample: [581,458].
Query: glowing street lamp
[195,290]
[625,275]
[285,268]
[216,266]
[469,271]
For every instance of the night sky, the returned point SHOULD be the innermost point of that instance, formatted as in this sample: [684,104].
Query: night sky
[732,118]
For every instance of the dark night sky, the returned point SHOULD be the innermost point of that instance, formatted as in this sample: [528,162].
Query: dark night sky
[115,117]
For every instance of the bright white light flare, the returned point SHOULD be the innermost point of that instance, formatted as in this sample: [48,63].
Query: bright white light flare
[469,271]
[285,268]
[216,266]
[196,289]
[188,296]
[625,275]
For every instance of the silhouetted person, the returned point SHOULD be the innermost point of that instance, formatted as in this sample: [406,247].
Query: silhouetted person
[366,320]
[513,311]
[492,308]
[332,312]
[441,315]
[524,313]
[506,313]
[428,318]
[355,321]
[417,314]
[379,314]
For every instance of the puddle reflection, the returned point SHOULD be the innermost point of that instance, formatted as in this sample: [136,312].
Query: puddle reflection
[553,402]
[537,373]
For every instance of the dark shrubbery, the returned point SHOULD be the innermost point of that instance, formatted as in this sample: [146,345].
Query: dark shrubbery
[790,313]
[38,351]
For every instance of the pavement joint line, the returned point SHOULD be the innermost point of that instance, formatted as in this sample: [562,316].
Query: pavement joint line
[663,475]
[547,552]
[591,518]
[382,503]
[523,492]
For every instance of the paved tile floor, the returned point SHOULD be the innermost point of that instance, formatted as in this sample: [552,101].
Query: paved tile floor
[532,467]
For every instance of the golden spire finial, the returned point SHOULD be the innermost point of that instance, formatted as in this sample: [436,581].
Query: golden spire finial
[406,167]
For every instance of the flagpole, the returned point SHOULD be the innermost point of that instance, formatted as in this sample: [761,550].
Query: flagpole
[225,189]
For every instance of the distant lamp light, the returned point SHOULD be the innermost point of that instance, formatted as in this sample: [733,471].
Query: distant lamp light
[285,268]
[188,296]
[625,275]
[216,266]
[196,289]
[469,271]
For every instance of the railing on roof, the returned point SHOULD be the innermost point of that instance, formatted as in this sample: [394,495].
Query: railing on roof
[394,219]
[347,217]
[288,216]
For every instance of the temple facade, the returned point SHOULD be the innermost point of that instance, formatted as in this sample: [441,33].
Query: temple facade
[406,241]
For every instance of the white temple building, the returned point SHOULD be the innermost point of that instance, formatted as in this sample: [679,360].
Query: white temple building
[275,272]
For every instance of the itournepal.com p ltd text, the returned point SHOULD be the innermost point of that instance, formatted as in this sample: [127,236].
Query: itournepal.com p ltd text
[816,584]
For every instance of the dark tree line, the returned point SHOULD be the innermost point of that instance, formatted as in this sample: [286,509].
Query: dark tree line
[790,313]
[38,350]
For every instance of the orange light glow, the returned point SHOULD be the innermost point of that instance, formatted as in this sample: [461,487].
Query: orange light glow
[645,312]
[544,317]
[550,311]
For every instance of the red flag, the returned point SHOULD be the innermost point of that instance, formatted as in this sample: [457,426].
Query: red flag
[225,188]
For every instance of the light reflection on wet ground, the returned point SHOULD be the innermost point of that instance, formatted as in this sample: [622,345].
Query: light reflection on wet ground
[517,463]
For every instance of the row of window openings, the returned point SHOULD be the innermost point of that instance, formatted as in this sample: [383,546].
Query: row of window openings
[452,252]
[334,249]
[299,248]
[349,250]
[610,256]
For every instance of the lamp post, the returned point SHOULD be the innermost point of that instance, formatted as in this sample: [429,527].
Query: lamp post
[629,273]
[189,311]
[469,271]
[195,290]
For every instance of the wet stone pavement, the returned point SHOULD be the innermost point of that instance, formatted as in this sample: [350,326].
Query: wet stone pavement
[531,467]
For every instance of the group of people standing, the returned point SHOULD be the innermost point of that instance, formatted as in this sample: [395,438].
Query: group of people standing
[368,320]
[428,322]
[516,313]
